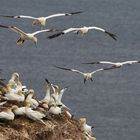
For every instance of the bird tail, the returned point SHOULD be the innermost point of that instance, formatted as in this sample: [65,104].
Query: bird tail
[55,35]
[111,35]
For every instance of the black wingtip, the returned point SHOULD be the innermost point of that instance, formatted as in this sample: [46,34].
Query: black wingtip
[61,68]
[7,16]
[3,26]
[111,35]
[92,63]
[55,35]
[79,12]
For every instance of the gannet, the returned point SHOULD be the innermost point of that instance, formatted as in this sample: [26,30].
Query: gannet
[33,103]
[54,109]
[26,36]
[33,114]
[42,20]
[85,127]
[14,82]
[115,64]
[12,96]
[18,110]
[47,97]
[86,75]
[82,30]
[57,96]
[7,114]
[89,137]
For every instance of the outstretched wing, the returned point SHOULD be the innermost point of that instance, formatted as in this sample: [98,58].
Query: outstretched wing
[18,16]
[62,14]
[103,30]
[41,31]
[77,71]
[63,32]
[130,62]
[100,62]
[97,70]
[13,28]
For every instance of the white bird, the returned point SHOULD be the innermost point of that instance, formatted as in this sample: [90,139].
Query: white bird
[82,30]
[33,102]
[86,75]
[115,64]
[85,127]
[33,114]
[47,98]
[42,20]
[12,96]
[14,82]
[26,36]
[57,96]
[7,114]
[54,109]
[18,110]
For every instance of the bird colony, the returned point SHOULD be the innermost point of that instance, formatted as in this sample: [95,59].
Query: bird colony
[17,100]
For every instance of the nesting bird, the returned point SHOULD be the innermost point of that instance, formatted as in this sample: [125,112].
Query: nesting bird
[33,102]
[83,30]
[85,127]
[7,114]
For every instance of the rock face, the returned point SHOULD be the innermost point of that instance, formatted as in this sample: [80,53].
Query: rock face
[58,127]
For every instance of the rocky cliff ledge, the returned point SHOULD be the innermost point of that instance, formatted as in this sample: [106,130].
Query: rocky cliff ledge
[59,127]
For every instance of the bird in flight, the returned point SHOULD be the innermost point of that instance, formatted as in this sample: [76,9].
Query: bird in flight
[115,64]
[41,21]
[26,36]
[82,30]
[86,75]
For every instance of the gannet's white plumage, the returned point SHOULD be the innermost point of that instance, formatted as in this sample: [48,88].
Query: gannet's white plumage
[54,109]
[26,36]
[115,64]
[86,75]
[33,114]
[82,30]
[18,110]
[47,97]
[7,114]
[42,20]
[14,82]
[33,102]
[85,127]
[12,96]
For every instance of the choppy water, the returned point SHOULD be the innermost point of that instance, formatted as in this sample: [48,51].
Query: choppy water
[111,103]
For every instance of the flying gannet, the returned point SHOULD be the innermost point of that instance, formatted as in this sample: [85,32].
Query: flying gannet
[115,64]
[86,75]
[26,36]
[82,30]
[41,21]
